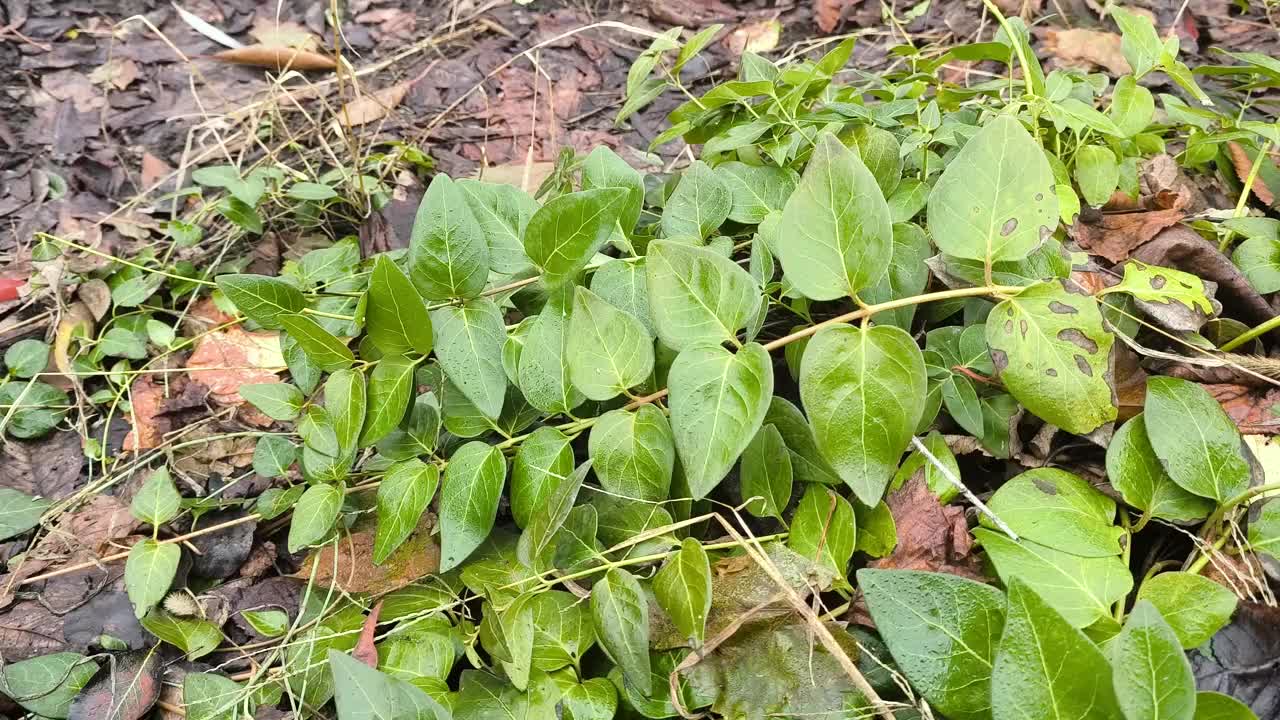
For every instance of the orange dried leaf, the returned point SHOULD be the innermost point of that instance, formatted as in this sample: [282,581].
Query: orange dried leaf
[223,361]
[1094,48]
[276,58]
[365,651]
[1243,164]
[348,563]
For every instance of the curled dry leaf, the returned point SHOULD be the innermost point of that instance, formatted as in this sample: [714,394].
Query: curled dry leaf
[76,321]
[276,58]
[96,295]
[223,361]
[828,13]
[1115,235]
[756,37]
[155,408]
[931,536]
[1243,163]
[1092,48]
[365,651]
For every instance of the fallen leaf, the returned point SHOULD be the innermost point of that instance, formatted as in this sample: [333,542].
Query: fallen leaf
[272,33]
[117,72]
[276,58]
[225,360]
[155,408]
[1243,164]
[219,455]
[125,689]
[365,651]
[1092,48]
[373,106]
[757,37]
[828,13]
[1240,660]
[931,536]
[50,467]
[522,175]
[96,295]
[77,321]
[154,170]
[1250,408]
[1115,235]
[347,563]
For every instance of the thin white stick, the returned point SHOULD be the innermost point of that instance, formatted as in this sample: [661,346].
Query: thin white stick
[951,478]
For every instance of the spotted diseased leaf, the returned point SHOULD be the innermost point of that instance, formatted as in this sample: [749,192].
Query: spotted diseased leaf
[683,589]
[396,316]
[1197,443]
[448,252]
[1053,355]
[621,617]
[1060,510]
[608,351]
[942,631]
[697,296]
[1136,473]
[1175,299]
[468,345]
[1045,668]
[473,482]
[995,200]
[864,391]
[698,205]
[839,237]
[564,234]
[633,453]
[1152,677]
[323,349]
[148,573]
[718,402]
[403,496]
[262,299]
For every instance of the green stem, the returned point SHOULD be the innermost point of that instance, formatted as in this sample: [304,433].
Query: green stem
[1248,335]
[122,261]
[323,314]
[1240,499]
[1244,193]
[1125,555]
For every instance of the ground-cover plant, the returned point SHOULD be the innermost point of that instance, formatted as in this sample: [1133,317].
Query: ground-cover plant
[636,443]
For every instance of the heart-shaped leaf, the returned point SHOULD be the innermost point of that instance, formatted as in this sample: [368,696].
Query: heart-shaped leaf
[448,251]
[633,453]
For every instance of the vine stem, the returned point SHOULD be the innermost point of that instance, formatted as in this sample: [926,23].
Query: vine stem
[1248,335]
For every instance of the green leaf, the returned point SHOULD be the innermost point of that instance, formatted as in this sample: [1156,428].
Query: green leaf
[807,463]
[396,316]
[608,351]
[323,458]
[908,275]
[594,699]
[390,387]
[942,631]
[273,455]
[1259,259]
[278,401]
[562,630]
[544,366]
[699,204]
[47,684]
[1193,605]
[118,342]
[262,299]
[503,212]
[473,482]
[604,169]
[537,542]
[206,696]
[1136,473]
[311,191]
[695,45]
[1139,42]
[448,251]
[621,617]
[363,693]
[937,483]
[274,502]
[864,391]
[1264,530]
[1198,445]
[1060,510]
[1132,106]
[148,573]
[1152,677]
[1097,173]
[27,358]
[633,453]
[1053,354]
[267,623]
[345,399]
[824,529]
[625,285]
[1081,589]
[766,473]
[1216,706]
[314,515]
[304,373]
[756,190]
[403,496]
[19,513]
[718,401]
[468,345]
[36,417]
[564,234]
[196,637]
[683,589]
[1045,668]
[158,501]
[995,199]
[322,348]
[697,296]
[880,151]
[839,240]
[544,458]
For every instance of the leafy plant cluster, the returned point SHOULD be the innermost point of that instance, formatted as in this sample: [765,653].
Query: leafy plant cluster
[559,399]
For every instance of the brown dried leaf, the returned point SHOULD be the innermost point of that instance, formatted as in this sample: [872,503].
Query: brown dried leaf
[931,536]
[756,37]
[827,13]
[348,563]
[153,169]
[1115,235]
[365,651]
[124,690]
[1252,409]
[223,361]
[276,58]
[1243,164]
[373,106]
[267,31]
[96,295]
[117,72]
[146,398]
[1093,48]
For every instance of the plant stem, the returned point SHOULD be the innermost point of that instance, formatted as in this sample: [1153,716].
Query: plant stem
[1248,335]
[1240,499]
[122,261]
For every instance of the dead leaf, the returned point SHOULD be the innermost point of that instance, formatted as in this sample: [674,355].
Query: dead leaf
[757,37]
[365,651]
[1243,163]
[373,106]
[1115,235]
[50,467]
[125,689]
[1252,409]
[522,175]
[828,13]
[96,296]
[76,322]
[267,31]
[225,360]
[221,455]
[146,396]
[1240,659]
[117,72]
[347,564]
[276,58]
[931,536]
[1092,48]
[154,170]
